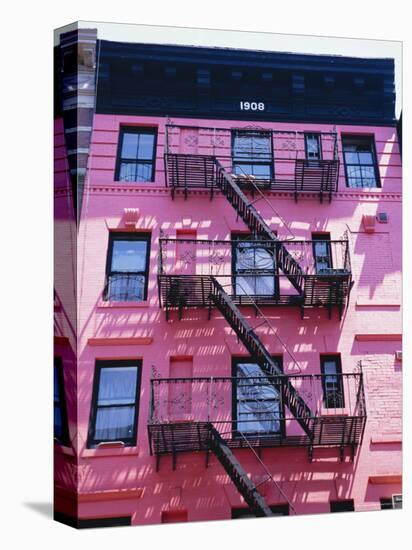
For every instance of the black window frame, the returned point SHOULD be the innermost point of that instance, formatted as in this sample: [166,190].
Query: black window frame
[361,137]
[245,513]
[238,238]
[328,401]
[149,130]
[386,503]
[92,441]
[319,140]
[235,433]
[64,438]
[126,236]
[91,523]
[322,237]
[346,505]
[253,132]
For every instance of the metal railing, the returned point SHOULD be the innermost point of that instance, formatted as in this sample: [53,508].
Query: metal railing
[190,153]
[249,258]
[217,399]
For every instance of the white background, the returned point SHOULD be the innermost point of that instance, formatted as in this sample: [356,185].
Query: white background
[26,271]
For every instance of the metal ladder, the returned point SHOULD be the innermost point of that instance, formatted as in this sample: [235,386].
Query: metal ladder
[259,353]
[237,474]
[258,227]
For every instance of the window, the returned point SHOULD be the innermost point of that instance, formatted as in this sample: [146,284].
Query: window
[360,161]
[342,506]
[257,403]
[136,154]
[127,267]
[322,252]
[392,503]
[61,430]
[252,153]
[174,516]
[333,395]
[82,523]
[254,268]
[115,400]
[277,510]
[313,147]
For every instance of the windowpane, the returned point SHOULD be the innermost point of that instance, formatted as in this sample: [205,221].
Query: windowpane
[129,255]
[127,271]
[365,158]
[146,145]
[258,401]
[58,424]
[252,154]
[136,157]
[332,383]
[114,423]
[114,413]
[130,146]
[250,257]
[261,171]
[132,171]
[117,385]
[360,161]
[126,288]
[56,385]
[313,146]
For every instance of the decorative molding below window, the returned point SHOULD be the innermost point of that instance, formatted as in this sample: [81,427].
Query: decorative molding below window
[104,495]
[137,341]
[377,337]
[384,479]
[386,439]
[130,217]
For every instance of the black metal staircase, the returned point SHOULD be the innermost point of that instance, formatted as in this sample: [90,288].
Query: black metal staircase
[237,474]
[259,353]
[258,227]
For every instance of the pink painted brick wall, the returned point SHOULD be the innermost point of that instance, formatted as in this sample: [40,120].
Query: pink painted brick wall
[374,308]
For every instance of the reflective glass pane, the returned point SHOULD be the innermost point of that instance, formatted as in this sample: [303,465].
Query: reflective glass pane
[242,146]
[365,158]
[130,146]
[132,171]
[242,169]
[330,367]
[352,158]
[117,385]
[114,423]
[129,255]
[146,146]
[245,285]
[58,430]
[56,388]
[261,171]
[123,288]
[321,248]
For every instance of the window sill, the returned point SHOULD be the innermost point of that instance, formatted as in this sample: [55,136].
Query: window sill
[117,305]
[101,452]
[332,412]
[62,449]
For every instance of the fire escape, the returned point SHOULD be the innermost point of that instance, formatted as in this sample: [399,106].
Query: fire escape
[308,421]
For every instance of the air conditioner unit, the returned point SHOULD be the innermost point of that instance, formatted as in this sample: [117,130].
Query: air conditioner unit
[398,355]
[382,217]
[396,501]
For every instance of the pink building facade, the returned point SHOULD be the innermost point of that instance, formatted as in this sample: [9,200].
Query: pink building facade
[230,343]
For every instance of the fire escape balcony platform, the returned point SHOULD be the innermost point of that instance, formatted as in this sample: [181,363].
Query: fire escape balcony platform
[191,436]
[189,172]
[183,409]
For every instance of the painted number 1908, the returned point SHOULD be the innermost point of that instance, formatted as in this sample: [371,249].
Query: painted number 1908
[252,106]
